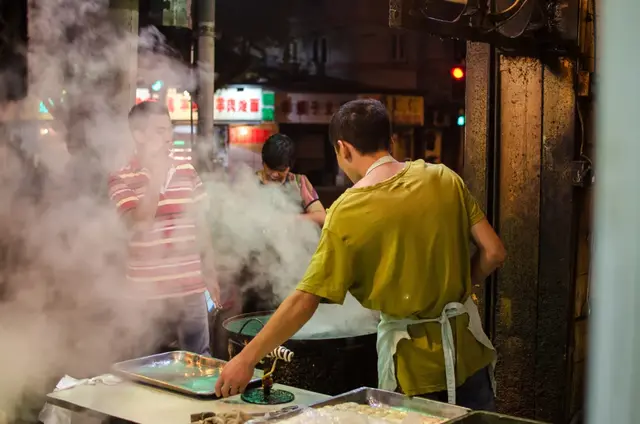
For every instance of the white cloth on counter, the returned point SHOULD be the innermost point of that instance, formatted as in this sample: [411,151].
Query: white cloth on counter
[52,414]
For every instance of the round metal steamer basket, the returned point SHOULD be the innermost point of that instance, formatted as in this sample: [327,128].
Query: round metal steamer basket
[327,364]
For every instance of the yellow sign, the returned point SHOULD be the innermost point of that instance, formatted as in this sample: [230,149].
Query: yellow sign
[403,110]
[406,110]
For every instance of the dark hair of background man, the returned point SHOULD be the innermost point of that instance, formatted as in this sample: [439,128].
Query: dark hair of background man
[142,111]
[279,152]
[363,123]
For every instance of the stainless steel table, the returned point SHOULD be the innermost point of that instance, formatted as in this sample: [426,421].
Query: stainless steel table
[137,403]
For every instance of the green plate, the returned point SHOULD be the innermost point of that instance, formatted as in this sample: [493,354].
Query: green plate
[277,397]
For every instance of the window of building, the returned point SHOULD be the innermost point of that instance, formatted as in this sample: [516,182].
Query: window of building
[323,50]
[316,50]
[320,50]
[398,47]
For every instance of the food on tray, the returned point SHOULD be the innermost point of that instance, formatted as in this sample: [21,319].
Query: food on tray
[352,412]
[385,413]
[235,417]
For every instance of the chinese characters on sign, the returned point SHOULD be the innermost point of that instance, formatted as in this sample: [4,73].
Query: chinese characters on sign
[230,104]
[297,108]
[242,106]
[406,110]
[239,104]
[178,104]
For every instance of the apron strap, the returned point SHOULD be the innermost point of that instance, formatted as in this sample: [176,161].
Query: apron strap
[391,331]
[449,346]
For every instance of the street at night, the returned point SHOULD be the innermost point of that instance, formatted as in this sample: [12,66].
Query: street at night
[318,211]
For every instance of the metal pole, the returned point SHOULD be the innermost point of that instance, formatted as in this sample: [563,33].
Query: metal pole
[614,386]
[125,14]
[206,67]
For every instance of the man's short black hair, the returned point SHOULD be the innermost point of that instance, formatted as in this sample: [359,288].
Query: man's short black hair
[139,114]
[363,123]
[279,152]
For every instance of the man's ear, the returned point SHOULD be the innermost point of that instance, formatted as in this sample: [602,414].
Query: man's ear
[344,150]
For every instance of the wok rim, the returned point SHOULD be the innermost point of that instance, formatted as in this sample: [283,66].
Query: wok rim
[228,321]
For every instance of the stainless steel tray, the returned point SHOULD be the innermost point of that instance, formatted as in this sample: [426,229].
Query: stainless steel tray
[180,371]
[480,417]
[369,396]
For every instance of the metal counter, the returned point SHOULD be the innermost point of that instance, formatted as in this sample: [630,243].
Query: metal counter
[143,404]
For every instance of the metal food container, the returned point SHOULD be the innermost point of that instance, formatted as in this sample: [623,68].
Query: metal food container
[376,397]
[179,371]
[330,363]
[480,417]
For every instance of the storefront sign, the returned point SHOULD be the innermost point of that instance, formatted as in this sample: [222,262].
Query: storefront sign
[180,106]
[406,110]
[246,104]
[251,134]
[142,95]
[299,108]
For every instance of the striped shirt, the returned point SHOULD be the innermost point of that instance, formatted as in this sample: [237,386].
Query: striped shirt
[163,260]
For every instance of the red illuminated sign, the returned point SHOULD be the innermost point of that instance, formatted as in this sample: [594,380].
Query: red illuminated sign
[230,104]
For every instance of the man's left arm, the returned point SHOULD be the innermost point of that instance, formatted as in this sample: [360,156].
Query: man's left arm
[328,277]
[313,209]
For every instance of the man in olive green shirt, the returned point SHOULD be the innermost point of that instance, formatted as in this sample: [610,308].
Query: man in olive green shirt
[399,242]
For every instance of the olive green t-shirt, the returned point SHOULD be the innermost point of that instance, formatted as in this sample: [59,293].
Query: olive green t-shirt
[402,247]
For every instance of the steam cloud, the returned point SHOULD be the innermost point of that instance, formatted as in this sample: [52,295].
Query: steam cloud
[65,307]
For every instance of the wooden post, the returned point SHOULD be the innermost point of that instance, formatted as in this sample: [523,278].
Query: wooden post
[519,148]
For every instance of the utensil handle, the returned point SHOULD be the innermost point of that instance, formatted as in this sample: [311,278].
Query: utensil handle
[281,353]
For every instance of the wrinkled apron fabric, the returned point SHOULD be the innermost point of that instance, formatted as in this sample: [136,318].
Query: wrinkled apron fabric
[391,331]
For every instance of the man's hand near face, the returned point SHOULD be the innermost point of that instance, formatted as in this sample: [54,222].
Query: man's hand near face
[144,214]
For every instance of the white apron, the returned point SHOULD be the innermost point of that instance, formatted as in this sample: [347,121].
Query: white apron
[391,331]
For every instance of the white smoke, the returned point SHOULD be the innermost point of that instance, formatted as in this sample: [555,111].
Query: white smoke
[263,223]
[64,304]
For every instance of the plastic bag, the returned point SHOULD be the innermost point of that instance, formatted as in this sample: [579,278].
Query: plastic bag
[52,414]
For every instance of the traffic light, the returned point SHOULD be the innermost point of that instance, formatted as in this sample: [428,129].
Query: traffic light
[458,83]
[458,73]
[462,120]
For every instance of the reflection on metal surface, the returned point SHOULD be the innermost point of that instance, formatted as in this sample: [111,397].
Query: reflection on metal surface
[179,371]
[480,417]
[376,397]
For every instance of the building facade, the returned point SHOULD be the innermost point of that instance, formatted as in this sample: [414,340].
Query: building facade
[338,39]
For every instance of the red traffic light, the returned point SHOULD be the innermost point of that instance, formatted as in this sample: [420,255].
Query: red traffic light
[457,73]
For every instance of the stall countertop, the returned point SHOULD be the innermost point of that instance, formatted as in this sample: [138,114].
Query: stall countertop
[142,404]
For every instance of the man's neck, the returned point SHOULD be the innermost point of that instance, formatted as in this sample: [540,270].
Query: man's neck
[154,162]
[365,165]
[369,160]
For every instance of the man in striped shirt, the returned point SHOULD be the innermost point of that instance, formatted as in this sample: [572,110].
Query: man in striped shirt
[159,200]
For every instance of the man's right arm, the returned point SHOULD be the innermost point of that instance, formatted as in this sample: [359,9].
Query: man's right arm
[491,253]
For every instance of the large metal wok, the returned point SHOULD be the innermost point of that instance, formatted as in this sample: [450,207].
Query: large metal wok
[330,362]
